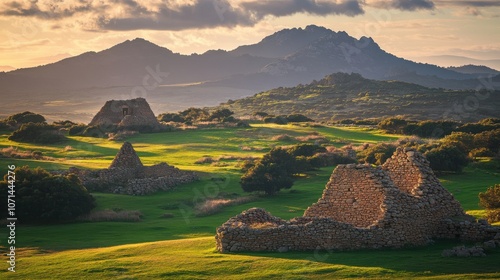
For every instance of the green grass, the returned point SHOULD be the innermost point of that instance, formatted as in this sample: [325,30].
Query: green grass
[195,258]
[82,250]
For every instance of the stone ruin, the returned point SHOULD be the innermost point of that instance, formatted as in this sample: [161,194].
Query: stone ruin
[401,203]
[127,175]
[133,113]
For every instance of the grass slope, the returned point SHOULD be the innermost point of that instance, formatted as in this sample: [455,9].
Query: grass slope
[195,259]
[71,251]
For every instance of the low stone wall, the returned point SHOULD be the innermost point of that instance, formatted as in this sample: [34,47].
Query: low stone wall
[401,203]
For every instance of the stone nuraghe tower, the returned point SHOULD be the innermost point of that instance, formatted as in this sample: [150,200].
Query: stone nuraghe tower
[126,113]
[126,158]
[400,203]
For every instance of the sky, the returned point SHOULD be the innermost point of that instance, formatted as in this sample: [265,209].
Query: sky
[37,32]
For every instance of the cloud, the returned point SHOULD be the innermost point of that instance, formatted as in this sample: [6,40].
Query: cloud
[404,5]
[172,14]
[45,9]
[285,8]
[468,3]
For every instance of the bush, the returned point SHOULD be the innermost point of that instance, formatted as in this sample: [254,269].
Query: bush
[491,201]
[77,129]
[298,118]
[392,125]
[491,198]
[267,178]
[26,117]
[46,198]
[377,154]
[446,158]
[37,133]
[171,117]
[493,215]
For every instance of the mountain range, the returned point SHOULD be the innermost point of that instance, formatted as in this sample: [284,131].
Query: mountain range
[172,80]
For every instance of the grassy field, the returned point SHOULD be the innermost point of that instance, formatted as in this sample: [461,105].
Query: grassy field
[183,246]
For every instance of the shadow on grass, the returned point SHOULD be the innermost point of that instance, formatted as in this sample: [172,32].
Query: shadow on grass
[419,260]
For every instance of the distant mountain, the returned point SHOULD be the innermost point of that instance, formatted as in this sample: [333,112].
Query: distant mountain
[474,69]
[171,81]
[350,96]
[455,60]
[284,42]
[6,68]
[127,63]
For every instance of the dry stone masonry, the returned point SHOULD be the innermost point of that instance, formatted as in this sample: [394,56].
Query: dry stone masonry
[127,175]
[400,203]
[130,113]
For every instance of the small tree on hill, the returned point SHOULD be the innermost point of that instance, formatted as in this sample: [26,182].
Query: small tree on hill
[267,178]
[271,174]
[491,201]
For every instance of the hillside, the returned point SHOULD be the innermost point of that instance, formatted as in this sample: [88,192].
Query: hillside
[194,258]
[342,96]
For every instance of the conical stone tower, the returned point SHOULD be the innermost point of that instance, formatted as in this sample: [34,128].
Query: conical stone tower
[126,158]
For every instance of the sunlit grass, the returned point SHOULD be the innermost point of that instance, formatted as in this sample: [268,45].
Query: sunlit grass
[194,257]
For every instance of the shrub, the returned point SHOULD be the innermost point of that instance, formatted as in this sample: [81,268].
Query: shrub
[446,158]
[491,198]
[26,117]
[493,215]
[37,133]
[491,201]
[171,117]
[298,118]
[45,198]
[267,178]
[77,129]
[377,154]
[480,152]
[392,125]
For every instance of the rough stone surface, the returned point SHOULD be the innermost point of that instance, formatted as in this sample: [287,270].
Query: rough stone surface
[127,175]
[464,252]
[126,113]
[397,204]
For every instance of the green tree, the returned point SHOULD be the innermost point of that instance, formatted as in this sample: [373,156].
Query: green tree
[446,158]
[269,178]
[43,197]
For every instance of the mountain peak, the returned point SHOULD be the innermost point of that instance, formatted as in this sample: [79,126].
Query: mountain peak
[138,44]
[315,28]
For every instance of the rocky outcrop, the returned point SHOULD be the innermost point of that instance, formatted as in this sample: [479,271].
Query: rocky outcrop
[398,204]
[127,175]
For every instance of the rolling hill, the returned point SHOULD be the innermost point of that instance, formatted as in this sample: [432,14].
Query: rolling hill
[344,96]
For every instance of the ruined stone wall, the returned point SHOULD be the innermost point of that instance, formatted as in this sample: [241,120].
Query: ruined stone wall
[398,204]
[356,199]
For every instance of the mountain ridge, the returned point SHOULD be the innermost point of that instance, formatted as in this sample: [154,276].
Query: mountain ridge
[351,96]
